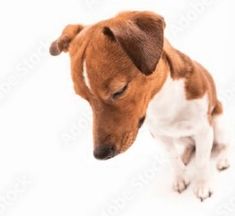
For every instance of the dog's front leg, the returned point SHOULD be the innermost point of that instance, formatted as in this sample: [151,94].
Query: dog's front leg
[181,180]
[204,144]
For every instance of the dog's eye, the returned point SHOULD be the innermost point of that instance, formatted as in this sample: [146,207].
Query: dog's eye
[119,92]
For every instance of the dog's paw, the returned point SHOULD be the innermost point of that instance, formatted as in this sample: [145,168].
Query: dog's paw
[202,190]
[222,164]
[181,183]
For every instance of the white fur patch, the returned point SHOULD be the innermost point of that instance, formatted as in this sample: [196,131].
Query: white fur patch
[171,114]
[85,75]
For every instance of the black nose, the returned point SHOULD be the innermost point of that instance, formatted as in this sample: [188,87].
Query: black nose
[104,152]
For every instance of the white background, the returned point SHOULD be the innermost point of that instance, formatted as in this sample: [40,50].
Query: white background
[46,161]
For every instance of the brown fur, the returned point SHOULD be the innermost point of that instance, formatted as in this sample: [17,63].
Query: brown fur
[198,81]
[128,49]
[62,43]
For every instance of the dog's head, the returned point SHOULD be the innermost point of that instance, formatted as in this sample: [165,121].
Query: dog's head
[112,65]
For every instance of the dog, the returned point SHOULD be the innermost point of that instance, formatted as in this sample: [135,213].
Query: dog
[129,73]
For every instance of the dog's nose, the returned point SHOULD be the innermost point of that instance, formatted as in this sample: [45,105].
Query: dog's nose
[104,152]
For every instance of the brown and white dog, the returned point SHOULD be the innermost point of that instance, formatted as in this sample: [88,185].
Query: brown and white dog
[126,70]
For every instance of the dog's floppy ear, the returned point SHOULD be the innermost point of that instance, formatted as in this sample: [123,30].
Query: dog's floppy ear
[141,37]
[62,43]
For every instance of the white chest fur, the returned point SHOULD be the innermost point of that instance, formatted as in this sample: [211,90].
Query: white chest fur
[171,114]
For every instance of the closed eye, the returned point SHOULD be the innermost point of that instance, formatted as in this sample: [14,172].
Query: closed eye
[120,92]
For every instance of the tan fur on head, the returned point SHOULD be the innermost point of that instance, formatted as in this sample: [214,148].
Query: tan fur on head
[119,53]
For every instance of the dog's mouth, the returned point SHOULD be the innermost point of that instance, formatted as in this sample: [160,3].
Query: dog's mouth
[129,138]
[110,148]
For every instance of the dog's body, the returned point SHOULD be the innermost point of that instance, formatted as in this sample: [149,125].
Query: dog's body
[125,69]
[174,119]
